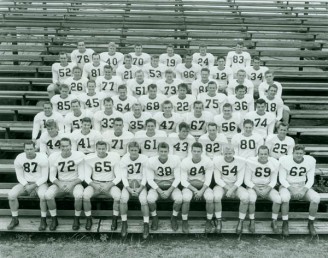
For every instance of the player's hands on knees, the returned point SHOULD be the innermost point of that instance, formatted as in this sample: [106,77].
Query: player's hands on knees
[30,187]
[198,195]
[161,193]
[231,191]
[138,190]
[130,190]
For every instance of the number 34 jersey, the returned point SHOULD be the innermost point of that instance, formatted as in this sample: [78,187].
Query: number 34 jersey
[261,174]
[66,169]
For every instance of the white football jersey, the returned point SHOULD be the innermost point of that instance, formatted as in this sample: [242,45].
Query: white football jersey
[168,89]
[73,122]
[256,76]
[213,104]
[61,73]
[110,87]
[234,83]
[198,125]
[152,106]
[77,87]
[62,106]
[113,60]
[149,144]
[168,124]
[263,124]
[279,148]
[126,73]
[124,106]
[154,73]
[138,89]
[213,147]
[181,148]
[203,61]
[140,60]
[238,61]
[103,122]
[246,146]
[92,103]
[170,61]
[82,58]
[264,86]
[50,144]
[133,169]
[85,143]
[241,106]
[274,106]
[182,106]
[92,72]
[136,124]
[119,143]
[198,87]
[188,75]
[222,77]
[40,119]
[229,127]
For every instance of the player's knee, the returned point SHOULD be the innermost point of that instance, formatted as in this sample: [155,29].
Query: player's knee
[151,198]
[285,197]
[178,198]
[87,195]
[51,87]
[42,195]
[186,196]
[143,200]
[78,195]
[12,195]
[116,194]
[244,199]
[49,195]
[209,197]
[276,199]
[315,198]
[252,197]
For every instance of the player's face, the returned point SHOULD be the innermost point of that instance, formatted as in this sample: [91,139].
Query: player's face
[139,77]
[272,92]
[196,152]
[221,62]
[240,93]
[77,74]
[170,51]
[260,108]
[228,154]
[298,155]
[101,150]
[75,107]
[212,130]
[256,64]
[137,110]
[188,60]
[167,108]
[269,77]
[282,131]
[138,49]
[241,76]
[183,133]
[52,131]
[150,127]
[122,93]
[108,73]
[96,59]
[65,147]
[263,155]
[64,93]
[239,48]
[86,126]
[134,152]
[211,88]
[81,47]
[205,75]
[227,112]
[152,93]
[91,87]
[169,76]
[63,59]
[47,109]
[248,128]
[108,105]
[111,49]
[198,108]
[163,153]
[30,151]
[127,61]
[202,50]
[154,62]
[118,126]
[182,92]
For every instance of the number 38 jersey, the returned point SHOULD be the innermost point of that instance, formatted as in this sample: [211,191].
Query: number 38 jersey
[31,170]
[261,174]
[229,172]
[133,169]
[66,169]
[102,169]
[202,171]
[158,171]
[291,172]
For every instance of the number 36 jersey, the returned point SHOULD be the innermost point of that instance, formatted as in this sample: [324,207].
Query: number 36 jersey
[102,169]
[291,172]
[261,174]
[66,169]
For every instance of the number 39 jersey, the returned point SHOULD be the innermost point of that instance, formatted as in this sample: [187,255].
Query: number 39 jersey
[66,169]
[102,169]
[133,169]
[229,172]
[261,174]
[291,172]
[202,171]
[31,170]
[158,171]
[279,148]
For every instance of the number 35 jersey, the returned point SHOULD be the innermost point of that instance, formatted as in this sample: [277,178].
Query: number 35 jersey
[66,169]
[261,174]
[291,172]
[102,169]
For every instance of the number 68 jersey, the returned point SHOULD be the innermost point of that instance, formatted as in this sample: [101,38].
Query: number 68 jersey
[291,172]
[261,174]
[66,169]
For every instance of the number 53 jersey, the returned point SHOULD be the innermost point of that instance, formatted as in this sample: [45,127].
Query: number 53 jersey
[291,172]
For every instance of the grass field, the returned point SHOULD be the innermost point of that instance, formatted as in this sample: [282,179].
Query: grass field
[82,245]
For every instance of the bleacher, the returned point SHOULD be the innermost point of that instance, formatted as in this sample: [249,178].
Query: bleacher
[289,36]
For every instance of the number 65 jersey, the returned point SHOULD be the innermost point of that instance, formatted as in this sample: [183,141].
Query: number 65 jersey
[261,174]
[291,172]
[66,169]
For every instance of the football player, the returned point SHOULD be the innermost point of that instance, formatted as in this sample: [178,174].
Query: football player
[153,101]
[95,68]
[154,70]
[170,59]
[112,57]
[241,80]
[139,85]
[62,102]
[242,103]
[222,74]
[200,85]
[123,102]
[92,101]
[126,71]
[203,58]
[77,83]
[135,119]
[50,140]
[238,59]
[255,73]
[169,85]
[81,55]
[73,119]
[108,83]
[139,58]
[188,71]
[182,102]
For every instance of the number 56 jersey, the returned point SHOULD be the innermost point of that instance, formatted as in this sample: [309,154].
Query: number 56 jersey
[291,172]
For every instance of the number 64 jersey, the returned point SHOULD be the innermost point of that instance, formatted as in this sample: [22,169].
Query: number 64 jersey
[291,172]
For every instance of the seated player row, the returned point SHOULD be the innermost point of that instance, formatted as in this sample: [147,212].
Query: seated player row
[102,171]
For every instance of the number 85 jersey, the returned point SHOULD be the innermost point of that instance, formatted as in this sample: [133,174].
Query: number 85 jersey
[291,172]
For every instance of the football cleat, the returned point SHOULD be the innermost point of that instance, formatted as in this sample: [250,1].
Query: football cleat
[76,223]
[145,233]
[154,223]
[174,223]
[13,223]
[312,230]
[124,230]
[218,225]
[208,226]
[114,223]
[43,224]
[54,223]
[274,226]
[88,224]
[252,226]
[285,228]
[240,226]
[185,226]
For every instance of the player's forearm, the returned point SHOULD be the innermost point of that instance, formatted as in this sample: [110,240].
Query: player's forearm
[310,179]
[283,178]
[248,182]
[273,181]
[43,178]
[35,130]
[208,177]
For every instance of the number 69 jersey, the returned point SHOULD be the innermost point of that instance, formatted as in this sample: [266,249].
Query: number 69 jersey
[31,170]
[202,171]
[229,172]
[102,169]
[261,174]
[291,172]
[66,169]
[158,171]
[133,169]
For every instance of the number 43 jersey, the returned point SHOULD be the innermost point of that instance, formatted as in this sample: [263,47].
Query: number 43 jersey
[291,172]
